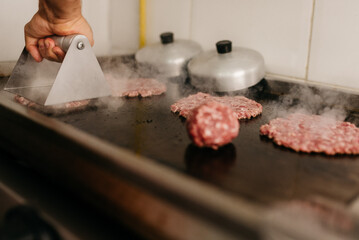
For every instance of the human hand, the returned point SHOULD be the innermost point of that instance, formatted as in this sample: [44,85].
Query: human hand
[38,30]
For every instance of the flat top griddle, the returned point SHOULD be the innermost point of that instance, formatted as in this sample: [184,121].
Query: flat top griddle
[251,166]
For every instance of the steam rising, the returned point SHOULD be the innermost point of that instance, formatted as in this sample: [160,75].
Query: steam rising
[300,99]
[309,100]
[120,70]
[307,219]
[117,72]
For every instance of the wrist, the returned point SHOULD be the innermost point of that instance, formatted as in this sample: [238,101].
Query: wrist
[57,13]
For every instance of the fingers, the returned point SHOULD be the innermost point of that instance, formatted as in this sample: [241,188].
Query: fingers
[50,51]
[32,47]
[59,53]
[34,52]
[44,48]
[31,44]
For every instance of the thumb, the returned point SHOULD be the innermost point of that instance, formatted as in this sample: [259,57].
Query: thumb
[31,47]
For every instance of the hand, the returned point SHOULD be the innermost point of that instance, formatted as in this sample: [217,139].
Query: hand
[40,27]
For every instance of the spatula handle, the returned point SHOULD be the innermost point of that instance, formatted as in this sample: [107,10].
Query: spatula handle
[63,42]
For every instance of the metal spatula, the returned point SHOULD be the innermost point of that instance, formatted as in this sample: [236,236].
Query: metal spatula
[78,77]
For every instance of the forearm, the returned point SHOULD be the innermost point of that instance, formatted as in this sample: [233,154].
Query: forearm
[56,11]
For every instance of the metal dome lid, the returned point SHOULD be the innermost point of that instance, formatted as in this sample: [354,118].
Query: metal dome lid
[226,69]
[170,56]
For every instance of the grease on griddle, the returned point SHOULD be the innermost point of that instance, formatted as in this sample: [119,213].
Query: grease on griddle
[208,163]
[146,121]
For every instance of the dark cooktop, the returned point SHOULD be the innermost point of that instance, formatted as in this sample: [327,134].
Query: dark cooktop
[251,166]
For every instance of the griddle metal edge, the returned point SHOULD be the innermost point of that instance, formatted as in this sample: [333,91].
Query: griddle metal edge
[153,200]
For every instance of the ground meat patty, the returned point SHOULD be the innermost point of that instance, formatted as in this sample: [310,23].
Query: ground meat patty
[212,125]
[58,109]
[313,133]
[243,107]
[144,87]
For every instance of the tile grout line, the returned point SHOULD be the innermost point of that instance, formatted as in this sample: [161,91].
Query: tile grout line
[109,25]
[310,41]
[273,76]
[191,19]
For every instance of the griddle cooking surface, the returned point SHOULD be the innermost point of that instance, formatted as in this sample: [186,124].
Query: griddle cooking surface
[251,166]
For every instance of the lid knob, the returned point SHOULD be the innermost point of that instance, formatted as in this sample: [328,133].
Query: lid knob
[166,37]
[224,46]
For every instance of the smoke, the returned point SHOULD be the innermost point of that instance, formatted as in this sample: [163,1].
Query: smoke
[307,219]
[111,103]
[311,100]
[117,70]
[120,71]
[119,67]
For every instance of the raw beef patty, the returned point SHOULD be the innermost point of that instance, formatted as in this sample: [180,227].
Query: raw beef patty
[313,133]
[243,107]
[144,87]
[58,109]
[212,125]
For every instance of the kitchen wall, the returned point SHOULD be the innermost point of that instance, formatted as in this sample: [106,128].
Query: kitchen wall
[15,14]
[306,40]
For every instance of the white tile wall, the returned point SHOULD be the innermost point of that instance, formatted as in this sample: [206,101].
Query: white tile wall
[335,44]
[279,29]
[124,26]
[168,15]
[13,16]
[97,13]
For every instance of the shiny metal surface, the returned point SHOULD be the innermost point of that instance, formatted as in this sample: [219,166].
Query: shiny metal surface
[154,200]
[64,42]
[136,163]
[72,218]
[168,60]
[78,77]
[232,71]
